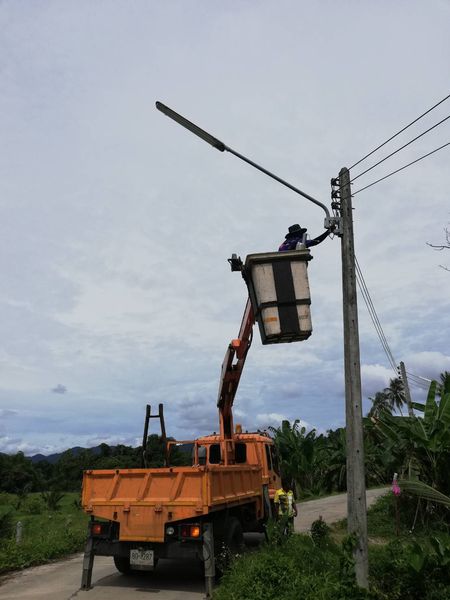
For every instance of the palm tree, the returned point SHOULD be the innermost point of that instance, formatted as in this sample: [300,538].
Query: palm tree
[380,403]
[396,394]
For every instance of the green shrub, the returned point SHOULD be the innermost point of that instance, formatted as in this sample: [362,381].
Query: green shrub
[34,506]
[6,522]
[52,499]
[414,516]
[320,532]
[295,569]
[414,570]
[6,499]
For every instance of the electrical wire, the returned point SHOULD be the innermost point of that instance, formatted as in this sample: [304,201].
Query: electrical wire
[416,384]
[399,132]
[417,380]
[373,315]
[423,379]
[401,168]
[398,149]
[414,380]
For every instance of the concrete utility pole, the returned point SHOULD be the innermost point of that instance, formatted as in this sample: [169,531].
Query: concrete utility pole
[407,392]
[356,485]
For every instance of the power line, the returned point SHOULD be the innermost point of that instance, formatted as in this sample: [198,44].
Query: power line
[399,132]
[415,383]
[418,380]
[401,168]
[398,149]
[373,315]
[415,380]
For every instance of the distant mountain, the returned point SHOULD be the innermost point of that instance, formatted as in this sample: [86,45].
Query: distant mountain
[54,458]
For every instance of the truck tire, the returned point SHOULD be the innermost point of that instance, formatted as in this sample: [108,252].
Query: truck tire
[228,545]
[234,537]
[122,564]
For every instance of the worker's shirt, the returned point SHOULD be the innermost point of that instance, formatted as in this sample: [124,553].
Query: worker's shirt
[285,501]
[290,243]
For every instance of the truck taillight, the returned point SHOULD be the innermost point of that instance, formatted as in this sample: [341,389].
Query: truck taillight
[195,531]
[190,531]
[96,529]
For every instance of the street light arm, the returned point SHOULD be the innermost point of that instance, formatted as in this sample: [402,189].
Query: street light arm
[207,137]
[282,181]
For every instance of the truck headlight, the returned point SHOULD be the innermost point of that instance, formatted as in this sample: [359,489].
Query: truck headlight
[170,530]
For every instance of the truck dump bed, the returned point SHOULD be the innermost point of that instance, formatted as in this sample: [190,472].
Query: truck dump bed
[143,501]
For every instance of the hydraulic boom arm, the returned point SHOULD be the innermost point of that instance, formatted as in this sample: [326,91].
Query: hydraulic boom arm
[231,371]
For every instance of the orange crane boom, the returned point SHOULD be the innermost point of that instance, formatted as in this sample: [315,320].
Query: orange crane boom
[232,371]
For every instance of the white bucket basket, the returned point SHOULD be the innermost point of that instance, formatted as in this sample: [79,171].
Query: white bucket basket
[279,292]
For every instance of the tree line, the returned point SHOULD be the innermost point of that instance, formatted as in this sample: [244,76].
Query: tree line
[18,473]
[417,448]
[316,463]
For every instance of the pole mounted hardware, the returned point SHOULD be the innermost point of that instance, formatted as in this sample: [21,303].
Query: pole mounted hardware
[215,143]
[335,224]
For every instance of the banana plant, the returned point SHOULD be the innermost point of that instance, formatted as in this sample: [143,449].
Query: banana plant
[421,444]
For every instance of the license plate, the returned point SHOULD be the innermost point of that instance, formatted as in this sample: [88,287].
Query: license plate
[142,559]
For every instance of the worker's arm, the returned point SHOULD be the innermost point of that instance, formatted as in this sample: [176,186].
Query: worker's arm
[318,239]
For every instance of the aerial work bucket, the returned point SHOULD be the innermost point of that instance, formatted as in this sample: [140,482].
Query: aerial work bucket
[279,292]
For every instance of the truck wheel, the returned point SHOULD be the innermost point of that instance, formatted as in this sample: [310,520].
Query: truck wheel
[234,538]
[228,545]
[122,564]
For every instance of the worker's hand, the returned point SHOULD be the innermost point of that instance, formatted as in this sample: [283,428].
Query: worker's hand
[295,512]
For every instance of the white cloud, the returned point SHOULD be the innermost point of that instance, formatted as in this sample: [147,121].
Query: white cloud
[428,364]
[375,378]
[116,223]
[266,419]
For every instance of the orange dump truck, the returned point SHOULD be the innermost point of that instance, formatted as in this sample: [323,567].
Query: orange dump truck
[148,514]
[139,516]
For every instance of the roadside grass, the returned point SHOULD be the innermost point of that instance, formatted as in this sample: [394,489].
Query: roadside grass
[389,516]
[46,534]
[413,565]
[291,570]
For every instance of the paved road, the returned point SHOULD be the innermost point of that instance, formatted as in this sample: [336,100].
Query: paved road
[172,580]
[332,509]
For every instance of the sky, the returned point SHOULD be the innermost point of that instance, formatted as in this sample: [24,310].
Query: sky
[116,223]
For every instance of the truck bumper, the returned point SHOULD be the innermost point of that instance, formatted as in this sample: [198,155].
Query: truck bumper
[172,549]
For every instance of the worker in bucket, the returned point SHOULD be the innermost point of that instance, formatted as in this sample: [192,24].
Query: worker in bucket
[285,508]
[296,238]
